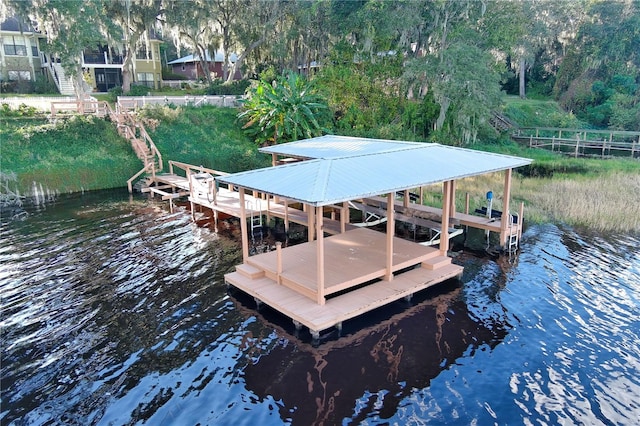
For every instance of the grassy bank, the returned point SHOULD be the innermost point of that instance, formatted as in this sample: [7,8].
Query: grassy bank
[71,155]
[207,136]
[600,195]
[87,153]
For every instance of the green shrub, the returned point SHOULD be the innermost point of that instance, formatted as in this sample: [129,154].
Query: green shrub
[44,86]
[168,74]
[219,88]
[138,90]
[113,94]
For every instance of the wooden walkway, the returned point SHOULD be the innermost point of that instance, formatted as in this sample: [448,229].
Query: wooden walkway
[223,200]
[457,219]
[580,142]
[353,273]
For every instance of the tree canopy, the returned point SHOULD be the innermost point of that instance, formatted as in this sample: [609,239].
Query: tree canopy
[435,66]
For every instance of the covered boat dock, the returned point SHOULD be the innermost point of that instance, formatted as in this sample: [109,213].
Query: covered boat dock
[330,279]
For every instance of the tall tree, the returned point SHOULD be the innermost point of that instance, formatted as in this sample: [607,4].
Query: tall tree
[134,19]
[545,24]
[70,27]
[255,24]
[193,26]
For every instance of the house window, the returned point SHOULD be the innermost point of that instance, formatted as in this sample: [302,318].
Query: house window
[19,75]
[142,53]
[34,51]
[146,79]
[13,49]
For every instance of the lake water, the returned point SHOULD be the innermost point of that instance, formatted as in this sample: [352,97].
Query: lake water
[115,311]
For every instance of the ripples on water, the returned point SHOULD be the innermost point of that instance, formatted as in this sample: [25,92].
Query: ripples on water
[115,311]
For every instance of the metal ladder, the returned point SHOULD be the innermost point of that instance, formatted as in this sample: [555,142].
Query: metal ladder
[512,241]
[255,220]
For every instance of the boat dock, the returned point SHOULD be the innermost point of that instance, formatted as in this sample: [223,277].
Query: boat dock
[344,269]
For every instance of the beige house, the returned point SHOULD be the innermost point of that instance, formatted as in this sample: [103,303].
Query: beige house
[22,59]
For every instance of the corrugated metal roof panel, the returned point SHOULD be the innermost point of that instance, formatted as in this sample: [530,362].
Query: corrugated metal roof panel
[331,146]
[328,181]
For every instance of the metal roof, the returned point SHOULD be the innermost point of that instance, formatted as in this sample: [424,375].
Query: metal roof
[331,146]
[331,180]
[218,57]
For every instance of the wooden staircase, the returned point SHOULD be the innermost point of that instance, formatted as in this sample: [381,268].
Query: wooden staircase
[132,129]
[500,122]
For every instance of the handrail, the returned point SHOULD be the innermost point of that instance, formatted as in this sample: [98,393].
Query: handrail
[144,135]
[143,170]
[201,169]
[154,149]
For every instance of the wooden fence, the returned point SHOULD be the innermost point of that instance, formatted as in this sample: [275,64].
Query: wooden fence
[581,142]
[134,102]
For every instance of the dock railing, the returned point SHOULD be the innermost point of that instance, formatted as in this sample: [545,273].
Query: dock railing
[130,103]
[143,145]
[198,175]
[80,106]
[580,142]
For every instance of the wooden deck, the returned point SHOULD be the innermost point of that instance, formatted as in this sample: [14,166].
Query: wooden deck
[170,186]
[352,259]
[228,202]
[434,213]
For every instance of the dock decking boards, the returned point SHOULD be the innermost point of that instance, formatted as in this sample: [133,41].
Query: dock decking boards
[353,259]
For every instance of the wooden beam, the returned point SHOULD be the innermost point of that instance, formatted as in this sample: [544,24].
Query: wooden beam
[391,227]
[278,262]
[505,207]
[243,227]
[344,217]
[310,222]
[286,216]
[452,211]
[320,259]
[446,206]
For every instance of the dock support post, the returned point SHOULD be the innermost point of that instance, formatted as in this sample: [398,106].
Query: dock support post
[520,220]
[504,220]
[286,216]
[297,324]
[391,226]
[344,217]
[310,222]
[466,203]
[320,259]
[452,205]
[446,205]
[278,262]
[243,227]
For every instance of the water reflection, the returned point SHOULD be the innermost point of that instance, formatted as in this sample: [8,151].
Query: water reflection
[376,366]
[114,311]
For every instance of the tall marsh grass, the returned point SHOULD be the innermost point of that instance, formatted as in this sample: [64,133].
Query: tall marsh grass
[608,203]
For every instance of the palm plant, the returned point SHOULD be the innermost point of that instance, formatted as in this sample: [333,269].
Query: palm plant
[287,110]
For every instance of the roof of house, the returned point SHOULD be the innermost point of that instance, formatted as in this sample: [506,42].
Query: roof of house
[218,57]
[15,24]
[365,168]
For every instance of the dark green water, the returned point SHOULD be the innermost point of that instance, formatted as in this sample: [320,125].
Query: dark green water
[115,311]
